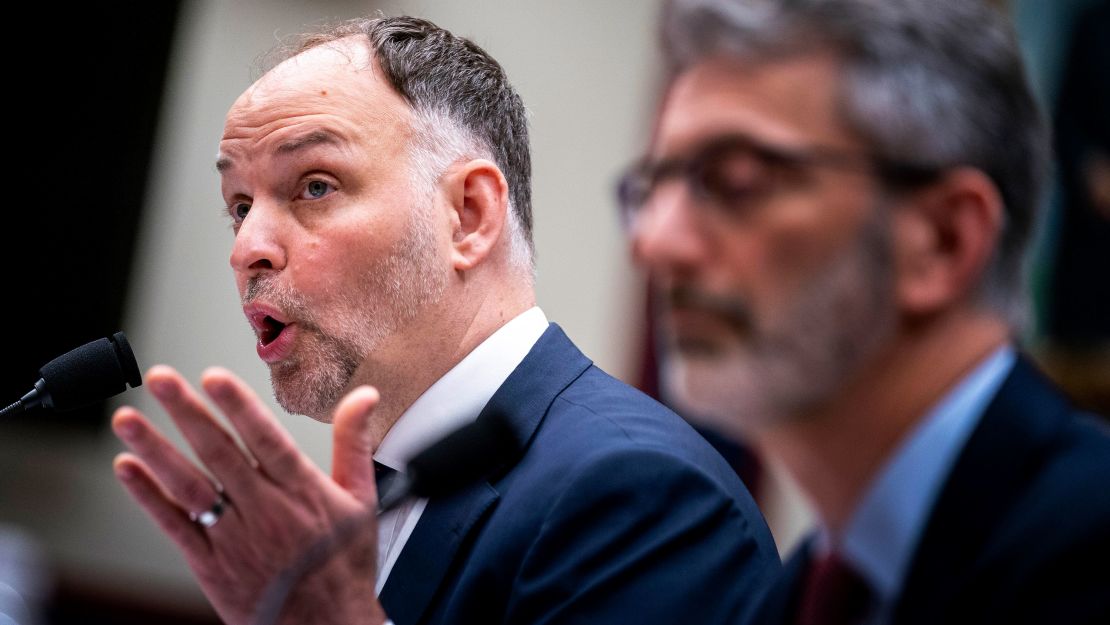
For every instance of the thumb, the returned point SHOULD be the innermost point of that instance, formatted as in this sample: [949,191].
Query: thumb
[353,445]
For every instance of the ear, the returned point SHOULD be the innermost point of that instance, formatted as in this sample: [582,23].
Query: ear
[944,236]
[479,197]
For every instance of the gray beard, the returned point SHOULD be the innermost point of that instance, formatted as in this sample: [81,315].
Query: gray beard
[788,365]
[406,282]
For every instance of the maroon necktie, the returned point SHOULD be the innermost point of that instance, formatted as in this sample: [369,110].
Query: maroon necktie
[833,593]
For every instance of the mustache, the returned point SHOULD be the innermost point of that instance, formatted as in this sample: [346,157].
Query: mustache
[278,294]
[732,309]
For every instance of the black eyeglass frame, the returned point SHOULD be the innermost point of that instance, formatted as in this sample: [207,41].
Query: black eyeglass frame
[639,182]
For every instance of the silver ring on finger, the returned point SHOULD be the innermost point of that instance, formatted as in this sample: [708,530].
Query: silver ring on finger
[211,516]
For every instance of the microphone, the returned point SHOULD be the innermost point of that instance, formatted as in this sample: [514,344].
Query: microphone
[471,453]
[85,375]
[466,455]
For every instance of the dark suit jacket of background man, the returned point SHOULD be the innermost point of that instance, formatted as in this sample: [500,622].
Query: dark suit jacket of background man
[615,512]
[1020,533]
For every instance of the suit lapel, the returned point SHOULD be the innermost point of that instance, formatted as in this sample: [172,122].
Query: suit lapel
[999,458]
[428,554]
[550,366]
[779,604]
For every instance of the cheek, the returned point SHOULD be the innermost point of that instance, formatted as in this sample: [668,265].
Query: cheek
[765,259]
[741,260]
[762,262]
[341,260]
[807,238]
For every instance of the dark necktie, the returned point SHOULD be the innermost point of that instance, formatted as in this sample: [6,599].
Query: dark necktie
[833,593]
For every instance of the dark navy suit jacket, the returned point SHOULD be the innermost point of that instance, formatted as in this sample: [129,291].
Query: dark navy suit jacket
[1020,533]
[615,511]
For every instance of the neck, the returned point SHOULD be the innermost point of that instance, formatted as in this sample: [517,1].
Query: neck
[434,342]
[835,450]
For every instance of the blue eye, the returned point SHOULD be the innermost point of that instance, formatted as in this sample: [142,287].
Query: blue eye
[316,189]
[240,210]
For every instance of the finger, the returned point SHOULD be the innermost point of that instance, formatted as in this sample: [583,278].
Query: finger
[353,448]
[174,521]
[182,481]
[274,449]
[213,445]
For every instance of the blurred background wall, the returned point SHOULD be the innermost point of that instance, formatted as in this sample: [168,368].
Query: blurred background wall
[587,72]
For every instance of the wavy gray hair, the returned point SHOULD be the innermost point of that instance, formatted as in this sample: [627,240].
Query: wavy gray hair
[941,84]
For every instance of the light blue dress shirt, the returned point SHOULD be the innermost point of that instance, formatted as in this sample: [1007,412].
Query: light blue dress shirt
[883,533]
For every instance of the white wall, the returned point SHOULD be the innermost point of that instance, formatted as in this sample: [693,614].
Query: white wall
[583,68]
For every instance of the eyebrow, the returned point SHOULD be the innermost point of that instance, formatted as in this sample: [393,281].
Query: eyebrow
[223,164]
[316,137]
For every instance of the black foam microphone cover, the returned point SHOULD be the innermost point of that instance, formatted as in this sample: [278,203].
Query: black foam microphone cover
[466,455]
[89,374]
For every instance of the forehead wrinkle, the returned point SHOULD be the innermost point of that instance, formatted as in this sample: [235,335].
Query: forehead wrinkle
[286,135]
[358,109]
[324,83]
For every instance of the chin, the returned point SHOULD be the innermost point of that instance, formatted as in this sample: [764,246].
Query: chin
[313,396]
[296,403]
[719,392]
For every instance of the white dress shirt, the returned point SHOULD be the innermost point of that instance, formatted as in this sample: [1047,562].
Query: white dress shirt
[453,401]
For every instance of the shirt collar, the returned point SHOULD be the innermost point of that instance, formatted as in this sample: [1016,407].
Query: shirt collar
[883,533]
[459,396]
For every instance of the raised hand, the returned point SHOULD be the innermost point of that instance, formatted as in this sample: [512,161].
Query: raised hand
[254,514]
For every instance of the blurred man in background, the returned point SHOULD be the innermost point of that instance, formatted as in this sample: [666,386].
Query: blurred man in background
[835,206]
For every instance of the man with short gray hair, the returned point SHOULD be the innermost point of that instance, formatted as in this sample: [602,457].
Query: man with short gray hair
[835,205]
[377,181]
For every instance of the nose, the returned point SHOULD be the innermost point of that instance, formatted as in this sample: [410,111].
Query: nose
[667,233]
[259,244]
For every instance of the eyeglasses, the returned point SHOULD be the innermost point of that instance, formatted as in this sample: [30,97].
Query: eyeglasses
[734,174]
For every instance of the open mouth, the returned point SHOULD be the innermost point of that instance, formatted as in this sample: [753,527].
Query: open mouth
[275,331]
[269,330]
